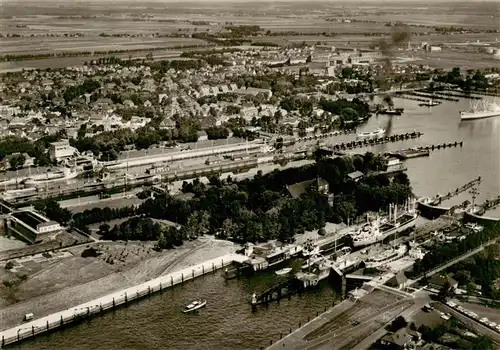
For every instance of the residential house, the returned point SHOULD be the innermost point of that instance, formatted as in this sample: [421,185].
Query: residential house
[398,281]
[167,124]
[202,135]
[299,188]
[356,175]
[438,281]
[402,339]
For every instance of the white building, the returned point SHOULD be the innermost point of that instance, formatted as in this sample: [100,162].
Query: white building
[61,149]
[49,226]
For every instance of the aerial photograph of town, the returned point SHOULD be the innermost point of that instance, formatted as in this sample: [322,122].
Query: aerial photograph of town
[233,175]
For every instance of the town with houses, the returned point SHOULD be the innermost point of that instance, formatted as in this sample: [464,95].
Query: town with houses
[304,168]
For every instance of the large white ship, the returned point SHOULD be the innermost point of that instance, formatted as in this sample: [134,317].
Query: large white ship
[376,230]
[481,110]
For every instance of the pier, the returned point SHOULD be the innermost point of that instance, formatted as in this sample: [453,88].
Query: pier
[375,141]
[422,151]
[276,292]
[112,301]
[430,96]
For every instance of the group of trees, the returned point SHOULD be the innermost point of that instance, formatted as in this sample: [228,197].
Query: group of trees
[460,341]
[470,81]
[87,87]
[215,133]
[348,111]
[14,148]
[260,209]
[444,252]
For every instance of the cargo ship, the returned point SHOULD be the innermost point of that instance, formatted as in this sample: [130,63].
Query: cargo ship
[481,110]
[378,229]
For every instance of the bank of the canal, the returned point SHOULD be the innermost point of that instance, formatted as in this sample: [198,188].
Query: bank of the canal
[227,322]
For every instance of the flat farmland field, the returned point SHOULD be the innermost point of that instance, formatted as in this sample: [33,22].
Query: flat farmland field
[54,45]
[448,59]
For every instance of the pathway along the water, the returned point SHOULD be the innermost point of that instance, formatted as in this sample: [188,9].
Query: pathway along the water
[227,322]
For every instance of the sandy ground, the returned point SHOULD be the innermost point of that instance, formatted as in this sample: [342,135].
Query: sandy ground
[55,285]
[8,243]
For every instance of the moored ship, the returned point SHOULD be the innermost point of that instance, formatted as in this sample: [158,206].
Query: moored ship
[481,110]
[376,230]
[386,256]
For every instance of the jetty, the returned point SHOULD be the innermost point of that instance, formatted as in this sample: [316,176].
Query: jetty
[112,301]
[422,151]
[375,141]
[431,96]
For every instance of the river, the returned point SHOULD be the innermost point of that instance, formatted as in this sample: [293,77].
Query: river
[227,322]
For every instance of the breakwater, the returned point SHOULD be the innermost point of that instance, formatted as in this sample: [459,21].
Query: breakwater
[376,141]
[114,300]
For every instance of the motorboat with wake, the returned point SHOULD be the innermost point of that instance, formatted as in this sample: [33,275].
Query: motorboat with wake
[195,305]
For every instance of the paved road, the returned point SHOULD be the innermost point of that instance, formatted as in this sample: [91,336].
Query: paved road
[472,323]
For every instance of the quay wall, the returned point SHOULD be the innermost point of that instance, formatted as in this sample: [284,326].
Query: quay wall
[111,301]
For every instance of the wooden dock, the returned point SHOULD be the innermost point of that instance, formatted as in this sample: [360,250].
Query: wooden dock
[422,151]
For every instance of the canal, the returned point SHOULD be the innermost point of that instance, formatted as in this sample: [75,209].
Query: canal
[227,322]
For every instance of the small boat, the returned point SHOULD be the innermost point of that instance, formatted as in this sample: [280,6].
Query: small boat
[195,305]
[283,271]
[430,103]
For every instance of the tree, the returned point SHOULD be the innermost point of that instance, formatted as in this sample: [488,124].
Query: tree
[398,323]
[104,229]
[17,161]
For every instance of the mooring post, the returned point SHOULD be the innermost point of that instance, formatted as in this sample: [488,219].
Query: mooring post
[47,325]
[290,331]
[203,269]
[222,262]
[281,335]
[126,299]
[160,286]
[113,302]
[271,342]
[308,318]
[61,320]
[149,290]
[33,330]
[182,277]
[317,313]
[100,307]
[3,341]
[300,324]
[192,273]
[171,281]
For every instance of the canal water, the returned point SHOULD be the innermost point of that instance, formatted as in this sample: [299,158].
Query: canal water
[227,322]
